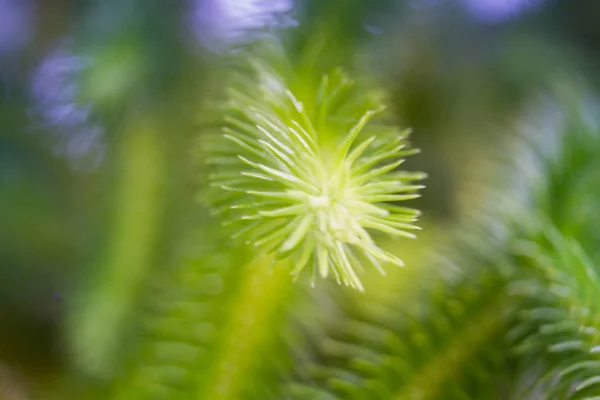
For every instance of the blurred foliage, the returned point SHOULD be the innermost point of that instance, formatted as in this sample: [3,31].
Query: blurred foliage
[116,282]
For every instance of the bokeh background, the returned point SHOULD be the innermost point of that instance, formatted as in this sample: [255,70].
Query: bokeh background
[101,101]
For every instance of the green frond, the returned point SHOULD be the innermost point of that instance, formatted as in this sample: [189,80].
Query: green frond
[555,246]
[560,318]
[308,176]
[179,326]
[211,331]
[429,334]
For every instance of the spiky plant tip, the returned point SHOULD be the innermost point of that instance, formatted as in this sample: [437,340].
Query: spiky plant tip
[287,188]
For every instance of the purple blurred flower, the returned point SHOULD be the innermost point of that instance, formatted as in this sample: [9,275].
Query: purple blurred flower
[16,24]
[57,103]
[217,23]
[499,10]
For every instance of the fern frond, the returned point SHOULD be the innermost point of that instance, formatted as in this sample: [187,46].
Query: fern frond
[439,337]
[309,175]
[556,249]
[560,320]
[209,331]
[179,325]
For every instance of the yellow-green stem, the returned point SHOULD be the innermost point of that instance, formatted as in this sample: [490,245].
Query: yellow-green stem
[432,376]
[249,324]
[101,313]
